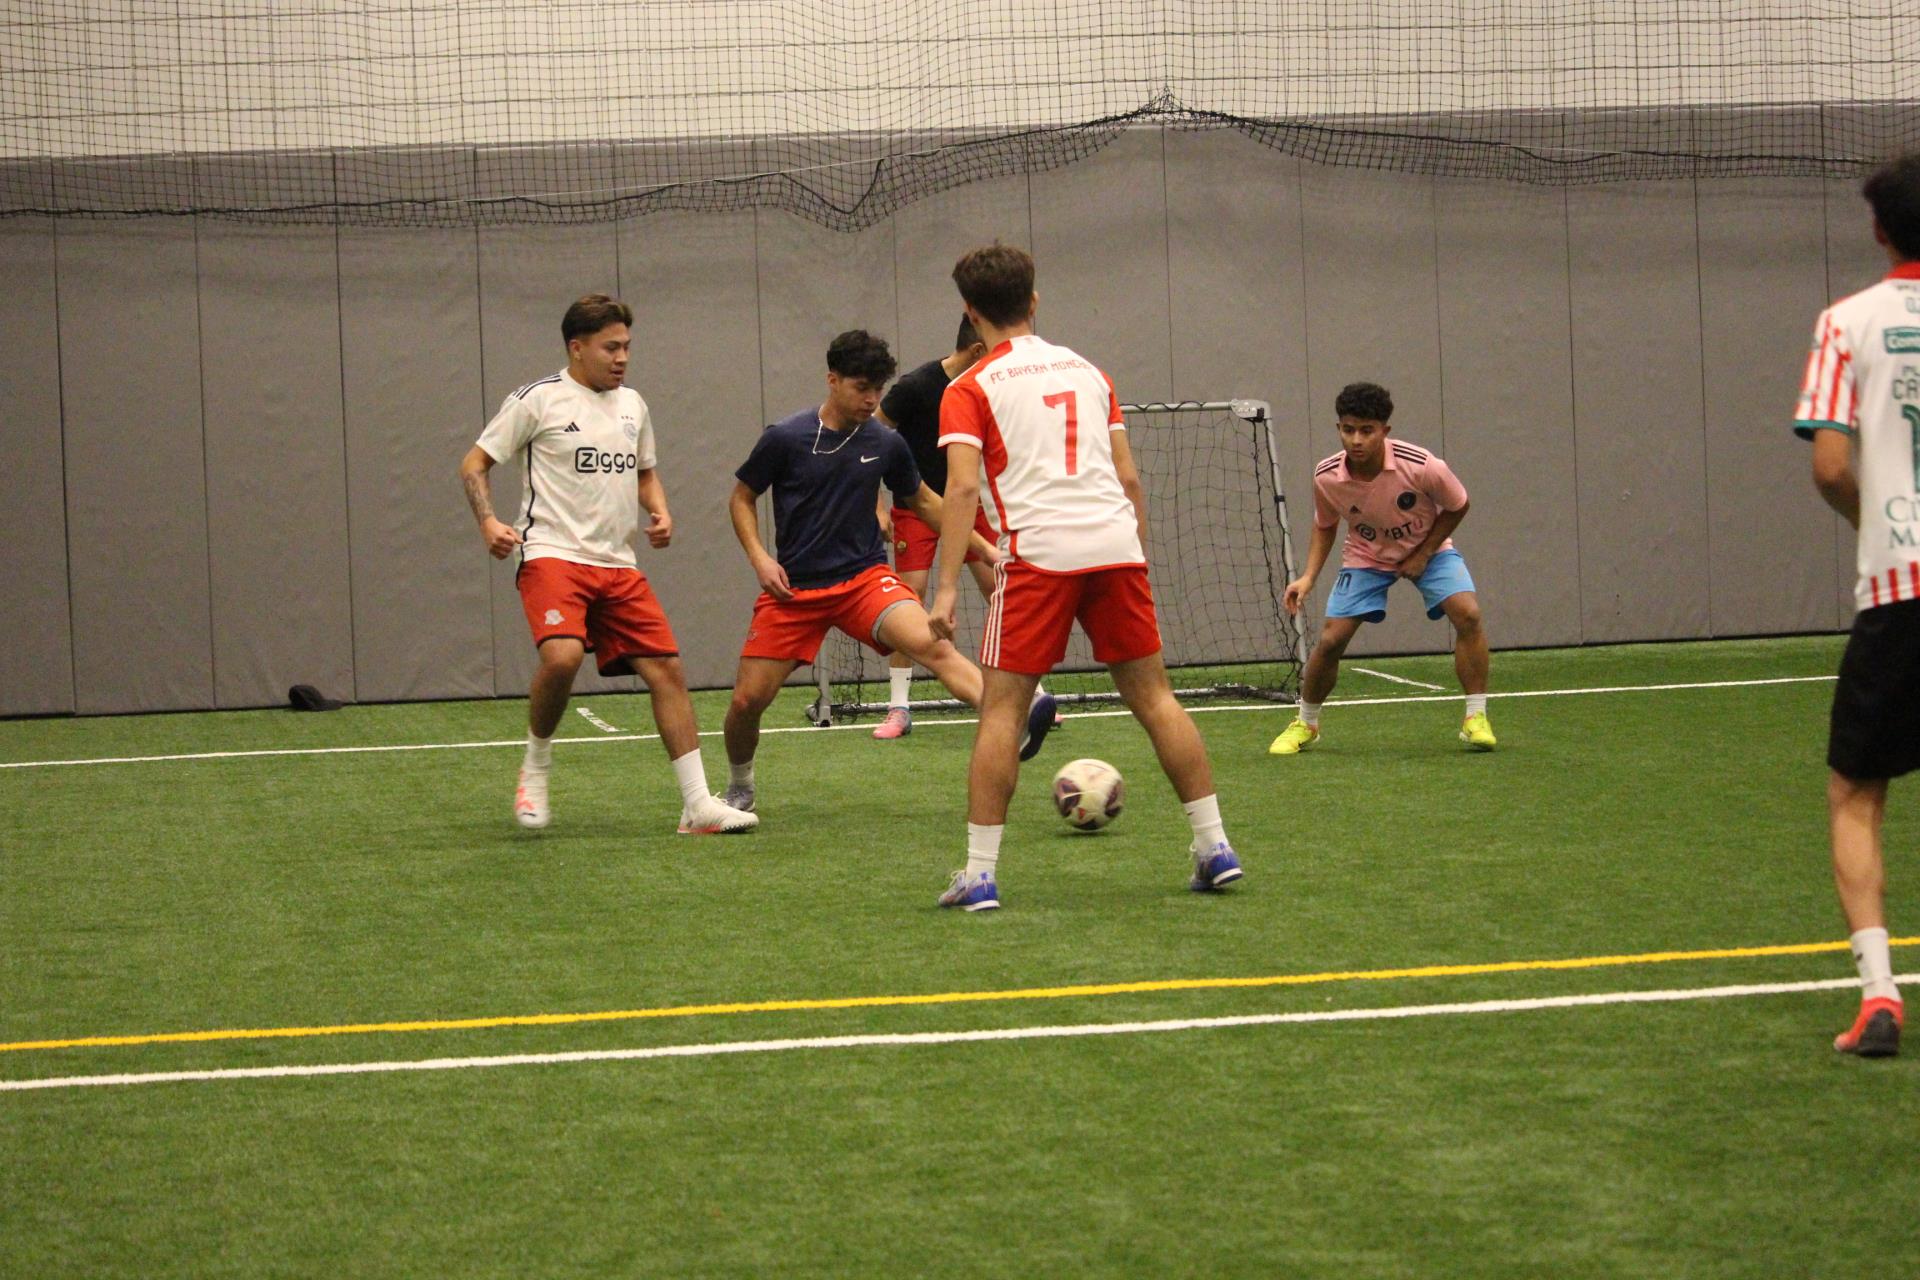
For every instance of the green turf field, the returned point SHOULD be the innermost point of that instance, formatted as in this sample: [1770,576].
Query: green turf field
[1704,1137]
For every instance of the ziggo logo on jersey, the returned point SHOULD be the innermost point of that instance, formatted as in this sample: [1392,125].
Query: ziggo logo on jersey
[589,461]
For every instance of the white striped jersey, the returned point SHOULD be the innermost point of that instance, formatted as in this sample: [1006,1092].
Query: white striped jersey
[1863,378]
[581,452]
[1042,418]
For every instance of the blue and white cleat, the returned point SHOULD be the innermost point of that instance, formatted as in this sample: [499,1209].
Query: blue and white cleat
[1215,869]
[1042,716]
[977,894]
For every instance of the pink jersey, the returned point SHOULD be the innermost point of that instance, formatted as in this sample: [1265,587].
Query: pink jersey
[1043,419]
[1388,516]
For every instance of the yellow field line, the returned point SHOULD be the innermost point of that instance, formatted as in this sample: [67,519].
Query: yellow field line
[953,996]
[946,997]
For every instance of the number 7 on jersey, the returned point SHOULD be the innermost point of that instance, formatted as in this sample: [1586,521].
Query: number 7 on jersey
[1068,401]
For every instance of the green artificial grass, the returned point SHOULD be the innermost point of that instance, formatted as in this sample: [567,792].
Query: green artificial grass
[1713,1138]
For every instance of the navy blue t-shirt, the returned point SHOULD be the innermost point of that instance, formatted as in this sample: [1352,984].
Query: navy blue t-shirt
[825,484]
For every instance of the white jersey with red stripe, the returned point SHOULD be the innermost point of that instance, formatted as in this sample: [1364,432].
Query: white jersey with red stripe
[1863,378]
[1042,418]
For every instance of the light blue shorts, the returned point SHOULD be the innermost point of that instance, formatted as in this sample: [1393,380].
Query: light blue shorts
[1362,593]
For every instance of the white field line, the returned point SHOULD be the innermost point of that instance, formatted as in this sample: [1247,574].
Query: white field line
[939,1037]
[1418,684]
[586,713]
[838,728]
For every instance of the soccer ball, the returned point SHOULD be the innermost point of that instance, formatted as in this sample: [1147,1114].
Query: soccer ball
[1088,793]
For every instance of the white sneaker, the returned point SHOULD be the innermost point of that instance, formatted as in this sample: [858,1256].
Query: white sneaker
[738,797]
[712,816]
[530,801]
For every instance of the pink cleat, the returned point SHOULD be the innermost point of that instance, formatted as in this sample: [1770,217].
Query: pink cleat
[898,724]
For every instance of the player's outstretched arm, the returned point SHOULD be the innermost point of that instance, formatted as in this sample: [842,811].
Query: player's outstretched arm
[653,500]
[957,510]
[1833,473]
[499,536]
[1318,548]
[746,527]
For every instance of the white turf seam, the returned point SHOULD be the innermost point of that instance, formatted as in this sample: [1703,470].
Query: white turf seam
[714,733]
[1418,684]
[940,1037]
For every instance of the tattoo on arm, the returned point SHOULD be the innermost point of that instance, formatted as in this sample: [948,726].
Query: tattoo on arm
[478,495]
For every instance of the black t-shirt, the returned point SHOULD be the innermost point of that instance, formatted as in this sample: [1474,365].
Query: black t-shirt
[825,484]
[912,405]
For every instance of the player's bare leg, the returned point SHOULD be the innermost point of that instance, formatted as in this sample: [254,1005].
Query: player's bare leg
[899,719]
[560,660]
[1471,662]
[1855,809]
[992,774]
[904,630]
[701,811]
[755,685]
[1143,684]
[1316,683]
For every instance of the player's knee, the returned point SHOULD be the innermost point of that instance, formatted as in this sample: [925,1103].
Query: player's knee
[561,659]
[1845,793]
[750,702]
[1466,617]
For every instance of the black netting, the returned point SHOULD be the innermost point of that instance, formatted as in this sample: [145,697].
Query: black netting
[1221,557]
[841,111]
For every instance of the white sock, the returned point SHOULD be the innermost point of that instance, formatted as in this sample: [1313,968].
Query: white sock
[1310,714]
[539,753]
[1204,814]
[740,775]
[691,773]
[1476,705]
[1875,964]
[983,849]
[901,678]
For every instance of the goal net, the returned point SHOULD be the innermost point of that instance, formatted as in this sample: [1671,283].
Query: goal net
[1220,555]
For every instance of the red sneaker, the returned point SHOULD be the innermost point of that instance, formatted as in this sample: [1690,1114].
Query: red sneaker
[1875,1033]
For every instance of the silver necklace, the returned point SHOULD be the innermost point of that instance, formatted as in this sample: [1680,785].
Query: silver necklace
[819,425]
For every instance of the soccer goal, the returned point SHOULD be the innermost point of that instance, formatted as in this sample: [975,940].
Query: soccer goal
[1221,556]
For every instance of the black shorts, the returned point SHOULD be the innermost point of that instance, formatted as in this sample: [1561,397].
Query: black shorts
[1875,730]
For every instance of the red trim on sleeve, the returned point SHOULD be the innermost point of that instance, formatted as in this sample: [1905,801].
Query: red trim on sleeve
[1905,271]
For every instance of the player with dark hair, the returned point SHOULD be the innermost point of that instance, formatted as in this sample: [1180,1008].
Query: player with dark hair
[1401,503]
[912,407]
[587,451]
[1860,405]
[1064,500]
[825,466]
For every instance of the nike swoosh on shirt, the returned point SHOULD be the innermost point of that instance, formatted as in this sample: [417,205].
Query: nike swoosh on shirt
[865,458]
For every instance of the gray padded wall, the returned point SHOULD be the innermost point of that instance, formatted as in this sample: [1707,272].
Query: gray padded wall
[1770,551]
[528,277]
[1609,369]
[1100,239]
[136,466]
[410,354]
[690,279]
[1507,401]
[276,464]
[1641,446]
[36,663]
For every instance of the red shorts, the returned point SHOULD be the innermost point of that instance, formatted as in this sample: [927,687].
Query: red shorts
[1032,612]
[914,540]
[793,629]
[612,610]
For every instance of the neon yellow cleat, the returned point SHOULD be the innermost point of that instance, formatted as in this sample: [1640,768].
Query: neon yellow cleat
[1478,733]
[1297,737]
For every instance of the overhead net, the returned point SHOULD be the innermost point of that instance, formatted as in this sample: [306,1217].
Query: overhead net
[1221,556]
[465,112]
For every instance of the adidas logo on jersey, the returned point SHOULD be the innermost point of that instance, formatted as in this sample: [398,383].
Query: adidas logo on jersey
[571,426]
